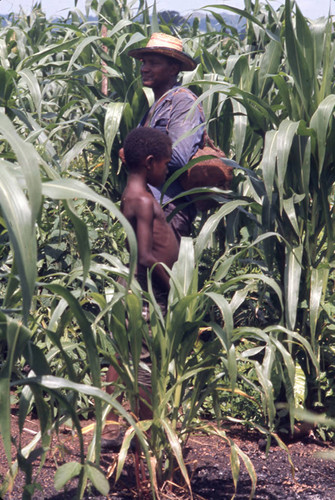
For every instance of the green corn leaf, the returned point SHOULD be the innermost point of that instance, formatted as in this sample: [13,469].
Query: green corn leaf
[240,127]
[234,463]
[85,328]
[18,216]
[183,268]
[80,47]
[287,131]
[78,149]
[247,15]
[29,160]
[154,19]
[34,88]
[50,50]
[82,238]
[227,315]
[305,39]
[69,189]
[17,337]
[293,269]
[212,223]
[297,61]
[268,163]
[113,117]
[320,123]
[177,451]
[319,278]
[291,213]
[269,65]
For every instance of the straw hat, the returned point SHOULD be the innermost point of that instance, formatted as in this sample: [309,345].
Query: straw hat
[167,45]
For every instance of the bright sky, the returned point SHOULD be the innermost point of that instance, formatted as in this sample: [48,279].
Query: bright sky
[310,8]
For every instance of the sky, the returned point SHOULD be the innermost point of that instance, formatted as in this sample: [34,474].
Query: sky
[310,8]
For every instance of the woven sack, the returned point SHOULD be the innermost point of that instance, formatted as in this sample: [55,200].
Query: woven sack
[208,173]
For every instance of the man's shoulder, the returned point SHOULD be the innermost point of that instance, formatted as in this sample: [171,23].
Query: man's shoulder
[184,93]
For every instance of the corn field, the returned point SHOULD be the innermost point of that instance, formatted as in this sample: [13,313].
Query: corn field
[257,275]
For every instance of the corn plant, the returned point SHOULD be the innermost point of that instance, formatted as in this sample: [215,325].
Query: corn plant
[269,105]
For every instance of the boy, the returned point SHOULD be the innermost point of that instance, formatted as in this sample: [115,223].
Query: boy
[147,153]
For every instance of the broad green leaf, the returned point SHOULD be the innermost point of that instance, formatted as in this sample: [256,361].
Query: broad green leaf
[65,473]
[240,127]
[320,123]
[29,160]
[247,15]
[269,65]
[212,223]
[319,278]
[70,189]
[177,451]
[268,163]
[293,269]
[183,269]
[113,117]
[82,238]
[289,209]
[285,136]
[34,88]
[304,37]
[17,213]
[227,315]
[298,64]
[49,51]
[80,47]
[78,149]
[234,463]
[97,478]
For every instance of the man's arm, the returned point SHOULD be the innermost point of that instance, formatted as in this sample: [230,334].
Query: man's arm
[182,121]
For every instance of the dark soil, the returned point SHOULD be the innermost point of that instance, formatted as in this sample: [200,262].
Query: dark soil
[207,459]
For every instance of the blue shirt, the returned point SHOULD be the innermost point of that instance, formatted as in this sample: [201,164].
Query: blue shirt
[170,114]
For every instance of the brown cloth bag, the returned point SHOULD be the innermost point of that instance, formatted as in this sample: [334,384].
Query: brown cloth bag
[207,173]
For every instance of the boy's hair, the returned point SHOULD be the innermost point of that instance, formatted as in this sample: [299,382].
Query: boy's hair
[145,141]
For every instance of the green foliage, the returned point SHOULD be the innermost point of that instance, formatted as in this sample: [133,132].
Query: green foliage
[258,276]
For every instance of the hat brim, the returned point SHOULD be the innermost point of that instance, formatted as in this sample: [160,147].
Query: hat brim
[187,63]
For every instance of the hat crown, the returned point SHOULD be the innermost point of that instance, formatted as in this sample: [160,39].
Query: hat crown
[167,45]
[163,40]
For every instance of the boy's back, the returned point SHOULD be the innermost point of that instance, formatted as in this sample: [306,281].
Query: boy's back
[147,153]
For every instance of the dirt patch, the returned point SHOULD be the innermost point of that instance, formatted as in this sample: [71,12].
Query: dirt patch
[208,462]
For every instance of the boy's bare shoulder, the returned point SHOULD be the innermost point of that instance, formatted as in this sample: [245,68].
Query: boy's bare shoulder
[136,201]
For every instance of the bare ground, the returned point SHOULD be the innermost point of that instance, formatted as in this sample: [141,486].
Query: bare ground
[207,459]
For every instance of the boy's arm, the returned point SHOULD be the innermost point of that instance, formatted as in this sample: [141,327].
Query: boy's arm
[144,235]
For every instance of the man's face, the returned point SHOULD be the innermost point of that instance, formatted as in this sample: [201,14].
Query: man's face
[157,71]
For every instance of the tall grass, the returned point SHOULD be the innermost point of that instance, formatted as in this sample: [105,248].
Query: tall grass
[266,298]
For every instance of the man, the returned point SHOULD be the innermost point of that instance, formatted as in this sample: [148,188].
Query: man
[162,60]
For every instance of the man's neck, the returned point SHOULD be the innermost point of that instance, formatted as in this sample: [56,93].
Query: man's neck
[158,93]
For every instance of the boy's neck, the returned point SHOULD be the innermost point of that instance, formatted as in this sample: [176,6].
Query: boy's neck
[138,178]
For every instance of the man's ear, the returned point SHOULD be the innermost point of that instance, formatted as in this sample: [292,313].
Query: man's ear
[175,67]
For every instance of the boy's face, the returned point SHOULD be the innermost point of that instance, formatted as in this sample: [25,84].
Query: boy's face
[158,170]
